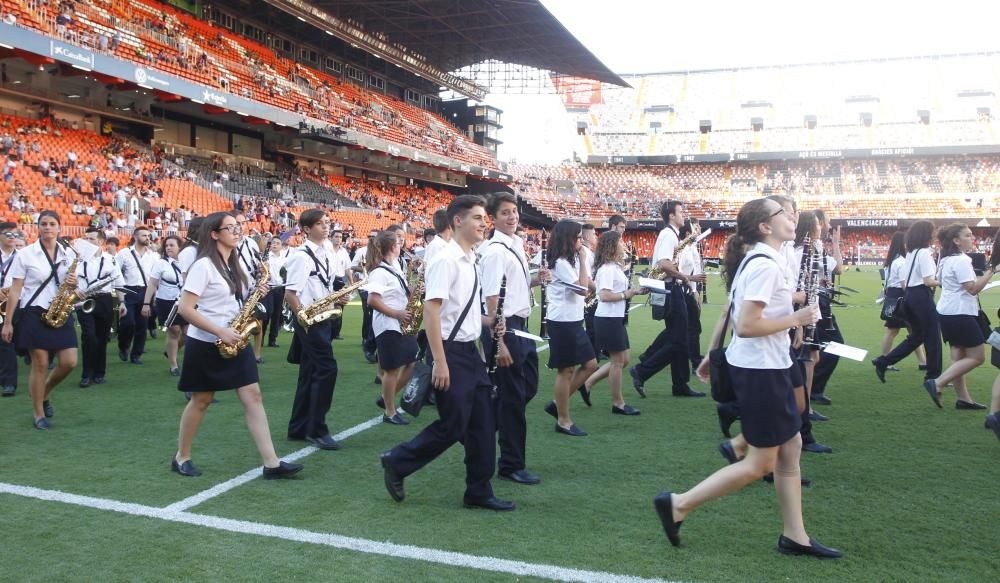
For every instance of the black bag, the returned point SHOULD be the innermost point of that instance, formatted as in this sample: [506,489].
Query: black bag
[417,391]
[896,308]
[984,323]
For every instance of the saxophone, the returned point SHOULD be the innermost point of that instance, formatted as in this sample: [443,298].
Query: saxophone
[656,272]
[245,323]
[65,299]
[326,307]
[415,305]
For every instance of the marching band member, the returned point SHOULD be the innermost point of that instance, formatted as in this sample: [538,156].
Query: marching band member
[309,278]
[165,282]
[442,236]
[189,253]
[8,353]
[358,265]
[689,263]
[248,253]
[136,263]
[459,374]
[895,258]
[618,223]
[589,245]
[570,351]
[831,264]
[95,327]
[340,269]
[993,418]
[759,364]
[36,275]
[214,290]
[276,262]
[613,289]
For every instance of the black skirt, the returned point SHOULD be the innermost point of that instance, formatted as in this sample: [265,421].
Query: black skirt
[395,350]
[204,369]
[768,412]
[163,308]
[961,331]
[33,334]
[610,333]
[891,295]
[568,344]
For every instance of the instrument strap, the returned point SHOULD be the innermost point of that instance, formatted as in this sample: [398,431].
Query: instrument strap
[516,256]
[235,283]
[906,282]
[732,296]
[324,277]
[406,288]
[138,264]
[6,267]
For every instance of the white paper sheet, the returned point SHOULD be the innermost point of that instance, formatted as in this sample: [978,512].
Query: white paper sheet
[572,286]
[527,335]
[846,351]
[992,285]
[653,284]
[704,234]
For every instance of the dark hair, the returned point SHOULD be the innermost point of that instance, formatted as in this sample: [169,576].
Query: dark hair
[48,213]
[897,248]
[163,245]
[140,227]
[193,231]
[498,198]
[310,217]
[669,208]
[919,235]
[784,200]
[588,227]
[946,236]
[113,241]
[209,247]
[562,242]
[685,229]
[429,233]
[379,248]
[820,215]
[607,249]
[806,226]
[440,220]
[748,221]
[7,225]
[462,204]
[614,220]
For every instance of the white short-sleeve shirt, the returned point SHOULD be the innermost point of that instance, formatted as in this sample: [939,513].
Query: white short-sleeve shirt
[310,279]
[134,275]
[955,299]
[187,257]
[565,305]
[503,255]
[97,268]
[611,277]
[215,301]
[389,287]
[666,243]
[925,266]
[452,278]
[32,265]
[168,272]
[762,280]
[433,248]
[896,275]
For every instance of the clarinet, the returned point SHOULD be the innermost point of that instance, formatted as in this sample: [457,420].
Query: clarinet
[495,354]
[542,328]
[808,278]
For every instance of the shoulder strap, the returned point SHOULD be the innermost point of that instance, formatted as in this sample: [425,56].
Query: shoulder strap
[732,296]
[468,306]
[514,253]
[906,282]
[406,288]
[325,280]
[138,264]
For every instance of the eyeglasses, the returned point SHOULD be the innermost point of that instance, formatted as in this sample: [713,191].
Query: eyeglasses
[233,229]
[775,213]
[13,235]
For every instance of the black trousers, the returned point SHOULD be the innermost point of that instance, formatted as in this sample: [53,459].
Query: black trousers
[317,380]
[827,362]
[95,333]
[924,329]
[8,364]
[367,334]
[466,417]
[132,328]
[588,324]
[670,347]
[272,324]
[516,387]
[694,327]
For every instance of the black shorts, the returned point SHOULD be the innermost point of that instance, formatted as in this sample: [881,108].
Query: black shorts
[610,333]
[395,349]
[33,334]
[163,308]
[961,331]
[768,412]
[204,369]
[568,344]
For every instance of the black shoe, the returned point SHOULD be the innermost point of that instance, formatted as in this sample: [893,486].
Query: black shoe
[728,413]
[816,447]
[665,510]
[787,546]
[931,387]
[84,382]
[52,365]
[393,481]
[396,419]
[326,442]
[969,405]
[817,416]
[136,360]
[377,380]
[273,344]
[187,395]
[47,408]
[637,382]
[371,358]
[572,430]
[687,392]
[380,402]
[98,380]
[993,422]
[821,399]
[152,333]
[626,410]
[260,360]
[175,372]
[921,367]
[551,409]
[282,470]
[880,368]
[186,469]
[9,391]
[491,503]
[585,394]
[806,482]
[123,355]
[727,451]
[42,423]
[521,477]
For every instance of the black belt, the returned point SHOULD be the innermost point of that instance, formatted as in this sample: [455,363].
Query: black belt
[457,344]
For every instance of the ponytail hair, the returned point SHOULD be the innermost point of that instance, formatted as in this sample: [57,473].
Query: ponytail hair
[379,247]
[947,236]
[748,232]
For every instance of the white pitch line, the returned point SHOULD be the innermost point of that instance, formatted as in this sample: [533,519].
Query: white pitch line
[386,549]
[222,488]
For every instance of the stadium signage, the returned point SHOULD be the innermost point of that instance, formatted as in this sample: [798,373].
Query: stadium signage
[849,223]
[71,54]
[209,96]
[147,77]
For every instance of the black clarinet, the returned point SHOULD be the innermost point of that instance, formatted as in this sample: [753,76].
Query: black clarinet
[808,280]
[495,354]
[542,328]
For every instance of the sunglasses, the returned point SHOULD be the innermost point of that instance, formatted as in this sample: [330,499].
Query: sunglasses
[13,235]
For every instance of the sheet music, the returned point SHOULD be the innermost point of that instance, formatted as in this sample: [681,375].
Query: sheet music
[846,351]
[527,335]
[652,284]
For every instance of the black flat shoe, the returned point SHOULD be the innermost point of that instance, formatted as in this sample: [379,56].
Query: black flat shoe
[186,469]
[572,430]
[806,482]
[585,394]
[377,380]
[969,405]
[326,442]
[260,360]
[665,510]
[84,383]
[393,481]
[727,451]
[175,372]
[880,369]
[921,367]
[551,409]
[42,423]
[282,470]
[728,413]
[380,402]
[98,380]
[821,399]
[816,447]
[687,392]
[492,503]
[137,360]
[123,355]
[9,391]
[787,546]
[521,477]
[396,419]
[637,382]
[931,387]
[626,410]
[273,345]
[993,422]
[817,416]
[371,358]
[47,409]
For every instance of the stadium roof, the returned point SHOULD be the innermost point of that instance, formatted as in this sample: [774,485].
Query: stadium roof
[452,34]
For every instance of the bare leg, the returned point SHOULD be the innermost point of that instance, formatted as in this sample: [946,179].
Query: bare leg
[173,342]
[921,355]
[598,376]
[390,379]
[581,375]
[964,360]
[890,335]
[995,398]
[757,464]
[66,362]
[405,374]
[788,484]
[36,380]
[191,420]
[619,360]
[562,393]
[253,407]
[740,445]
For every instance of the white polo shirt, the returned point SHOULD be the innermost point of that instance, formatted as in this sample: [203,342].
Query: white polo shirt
[168,273]
[276,261]
[565,305]
[452,278]
[134,276]
[389,288]
[310,279]
[765,281]
[32,265]
[215,301]
[611,277]
[955,299]
[689,263]
[504,255]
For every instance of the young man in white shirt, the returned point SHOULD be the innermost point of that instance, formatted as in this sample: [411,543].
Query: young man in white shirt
[95,327]
[136,263]
[589,234]
[464,399]
[442,230]
[276,262]
[340,268]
